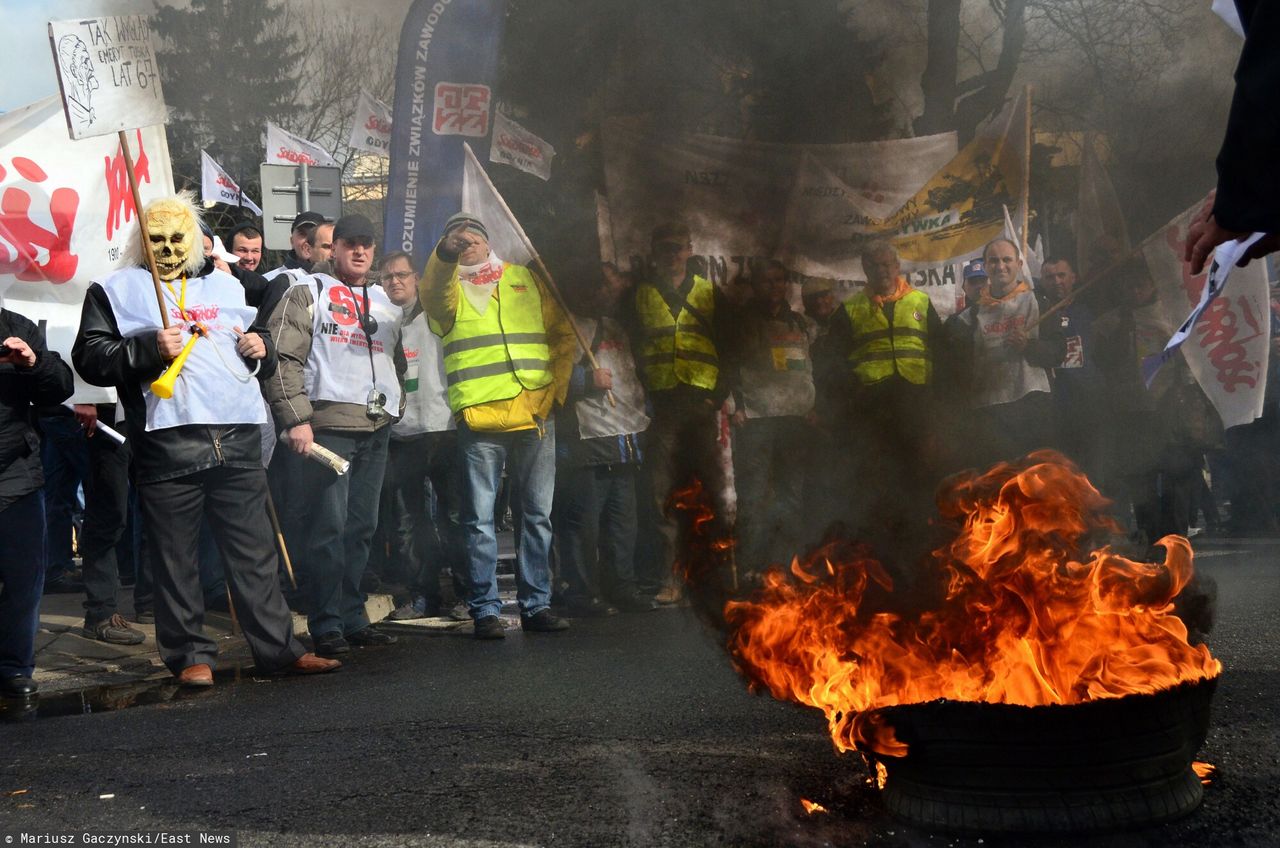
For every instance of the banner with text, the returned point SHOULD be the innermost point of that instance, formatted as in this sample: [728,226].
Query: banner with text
[445,72]
[217,186]
[66,212]
[515,146]
[371,125]
[285,148]
[735,194]
[1227,349]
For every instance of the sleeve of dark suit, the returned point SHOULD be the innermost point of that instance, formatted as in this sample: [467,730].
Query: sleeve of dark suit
[1248,197]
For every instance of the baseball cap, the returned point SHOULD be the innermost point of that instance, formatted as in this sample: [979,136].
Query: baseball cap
[975,268]
[671,231]
[308,217]
[463,219]
[353,227]
[816,285]
[220,252]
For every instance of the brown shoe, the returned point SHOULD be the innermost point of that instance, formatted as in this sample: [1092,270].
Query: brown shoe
[196,675]
[669,595]
[311,664]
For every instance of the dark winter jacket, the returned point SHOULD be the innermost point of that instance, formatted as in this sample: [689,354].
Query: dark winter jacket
[47,382]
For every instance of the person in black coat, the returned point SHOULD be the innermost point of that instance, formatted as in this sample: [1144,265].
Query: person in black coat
[30,376]
[1247,199]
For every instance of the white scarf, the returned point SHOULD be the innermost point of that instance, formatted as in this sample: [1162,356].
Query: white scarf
[479,281]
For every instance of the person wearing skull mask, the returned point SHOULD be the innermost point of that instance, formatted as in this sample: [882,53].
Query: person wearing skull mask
[197,455]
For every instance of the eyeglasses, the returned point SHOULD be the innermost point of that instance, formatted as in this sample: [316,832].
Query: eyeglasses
[396,275]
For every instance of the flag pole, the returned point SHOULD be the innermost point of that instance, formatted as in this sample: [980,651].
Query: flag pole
[142,227]
[1026,175]
[542,268]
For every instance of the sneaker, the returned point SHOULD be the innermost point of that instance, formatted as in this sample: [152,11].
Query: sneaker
[668,595]
[331,644]
[543,621]
[415,609]
[490,627]
[145,617]
[114,631]
[459,612]
[371,637]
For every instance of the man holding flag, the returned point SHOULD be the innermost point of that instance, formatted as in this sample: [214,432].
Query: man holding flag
[509,351]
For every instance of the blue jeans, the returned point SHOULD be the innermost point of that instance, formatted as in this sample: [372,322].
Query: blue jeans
[22,573]
[64,453]
[337,518]
[530,459]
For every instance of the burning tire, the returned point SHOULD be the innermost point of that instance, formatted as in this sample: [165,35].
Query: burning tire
[1100,765]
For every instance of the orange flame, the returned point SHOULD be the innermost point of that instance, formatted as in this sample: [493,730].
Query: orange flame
[1207,772]
[812,807]
[1028,617]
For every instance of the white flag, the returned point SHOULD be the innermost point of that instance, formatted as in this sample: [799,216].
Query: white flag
[515,146]
[216,185]
[285,148]
[481,199]
[371,125]
[1011,233]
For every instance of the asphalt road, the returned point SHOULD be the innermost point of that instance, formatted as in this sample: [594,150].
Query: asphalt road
[627,731]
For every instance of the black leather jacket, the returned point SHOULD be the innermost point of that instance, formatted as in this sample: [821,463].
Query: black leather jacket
[103,357]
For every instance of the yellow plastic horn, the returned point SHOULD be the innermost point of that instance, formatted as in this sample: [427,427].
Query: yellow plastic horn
[163,386]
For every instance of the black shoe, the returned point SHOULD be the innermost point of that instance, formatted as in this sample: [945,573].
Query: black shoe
[371,637]
[331,644]
[636,603]
[490,627]
[589,608]
[18,687]
[543,621]
[65,584]
[145,617]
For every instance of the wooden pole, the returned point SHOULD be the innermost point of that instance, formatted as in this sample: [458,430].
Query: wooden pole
[142,227]
[284,551]
[1026,177]
[546,276]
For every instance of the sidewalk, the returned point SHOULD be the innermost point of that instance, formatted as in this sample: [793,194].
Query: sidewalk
[67,661]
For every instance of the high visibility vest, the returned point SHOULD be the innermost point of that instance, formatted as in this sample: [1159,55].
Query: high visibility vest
[678,348]
[497,354]
[879,351]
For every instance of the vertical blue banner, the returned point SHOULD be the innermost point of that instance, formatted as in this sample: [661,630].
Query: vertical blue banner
[445,73]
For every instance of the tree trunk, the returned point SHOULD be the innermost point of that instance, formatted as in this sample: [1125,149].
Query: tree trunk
[939,78]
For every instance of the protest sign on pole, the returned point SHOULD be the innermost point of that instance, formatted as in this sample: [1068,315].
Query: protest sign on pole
[122,54]
[217,186]
[371,125]
[285,148]
[62,224]
[1227,348]
[515,146]
[445,72]
[108,74]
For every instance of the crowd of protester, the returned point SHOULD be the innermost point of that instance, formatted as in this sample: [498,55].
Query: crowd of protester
[466,401]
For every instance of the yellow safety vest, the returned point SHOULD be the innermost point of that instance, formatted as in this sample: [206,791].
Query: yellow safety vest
[500,353]
[879,351]
[678,349]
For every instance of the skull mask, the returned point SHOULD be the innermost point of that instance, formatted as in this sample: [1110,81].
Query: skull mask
[175,237]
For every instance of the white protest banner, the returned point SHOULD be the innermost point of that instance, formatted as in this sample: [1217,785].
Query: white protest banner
[64,223]
[217,186]
[371,125]
[1102,234]
[734,194]
[936,221]
[108,74]
[285,148]
[515,146]
[507,238]
[1227,348]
